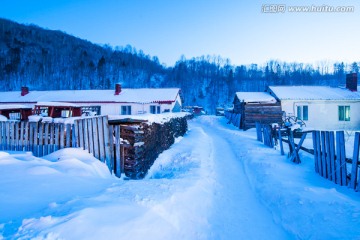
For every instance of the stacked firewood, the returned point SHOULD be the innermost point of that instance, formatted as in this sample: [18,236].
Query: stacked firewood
[144,142]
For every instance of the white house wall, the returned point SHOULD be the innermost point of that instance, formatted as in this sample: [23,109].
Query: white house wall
[323,115]
[136,108]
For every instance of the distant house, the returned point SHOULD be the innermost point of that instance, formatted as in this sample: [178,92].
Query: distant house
[15,111]
[57,109]
[256,107]
[105,102]
[322,107]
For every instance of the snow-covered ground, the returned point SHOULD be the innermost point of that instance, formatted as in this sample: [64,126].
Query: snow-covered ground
[217,182]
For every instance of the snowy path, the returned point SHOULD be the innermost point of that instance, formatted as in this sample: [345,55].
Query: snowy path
[238,213]
[215,183]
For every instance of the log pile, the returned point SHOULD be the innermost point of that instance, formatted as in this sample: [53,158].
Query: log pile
[142,144]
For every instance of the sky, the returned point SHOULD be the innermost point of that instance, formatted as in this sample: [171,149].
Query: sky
[242,30]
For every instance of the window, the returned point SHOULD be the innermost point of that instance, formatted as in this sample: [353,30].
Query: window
[344,113]
[125,110]
[303,113]
[65,113]
[154,109]
[14,116]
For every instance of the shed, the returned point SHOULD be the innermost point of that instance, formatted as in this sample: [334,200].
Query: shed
[256,107]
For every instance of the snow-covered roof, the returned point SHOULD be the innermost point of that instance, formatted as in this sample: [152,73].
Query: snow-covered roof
[56,104]
[127,95]
[255,97]
[13,106]
[313,93]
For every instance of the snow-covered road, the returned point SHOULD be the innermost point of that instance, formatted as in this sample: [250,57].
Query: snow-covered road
[236,213]
[217,182]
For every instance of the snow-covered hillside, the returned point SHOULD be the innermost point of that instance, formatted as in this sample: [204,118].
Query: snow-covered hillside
[217,182]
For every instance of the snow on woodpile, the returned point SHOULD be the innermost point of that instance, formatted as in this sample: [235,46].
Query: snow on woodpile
[151,118]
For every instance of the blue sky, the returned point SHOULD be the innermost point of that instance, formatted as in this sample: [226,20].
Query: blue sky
[233,29]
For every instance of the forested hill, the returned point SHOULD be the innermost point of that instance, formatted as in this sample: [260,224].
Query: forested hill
[45,59]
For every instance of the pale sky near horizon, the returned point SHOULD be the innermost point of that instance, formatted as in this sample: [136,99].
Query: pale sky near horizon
[233,29]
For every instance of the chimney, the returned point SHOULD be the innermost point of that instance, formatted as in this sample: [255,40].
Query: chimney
[117,88]
[351,82]
[24,91]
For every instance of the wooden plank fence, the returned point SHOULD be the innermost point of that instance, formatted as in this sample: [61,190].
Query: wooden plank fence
[328,150]
[264,134]
[92,134]
[234,118]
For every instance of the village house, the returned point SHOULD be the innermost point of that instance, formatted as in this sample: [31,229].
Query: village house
[121,101]
[252,107]
[321,107]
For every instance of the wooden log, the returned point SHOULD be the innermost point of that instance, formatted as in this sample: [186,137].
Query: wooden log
[62,135]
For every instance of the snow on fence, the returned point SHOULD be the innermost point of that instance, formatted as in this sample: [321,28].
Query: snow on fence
[234,118]
[328,149]
[42,138]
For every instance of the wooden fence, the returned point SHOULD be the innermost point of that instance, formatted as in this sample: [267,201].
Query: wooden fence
[328,149]
[264,134]
[234,118]
[92,134]
[330,158]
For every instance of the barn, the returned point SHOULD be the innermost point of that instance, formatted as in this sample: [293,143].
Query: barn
[120,101]
[256,107]
[322,107]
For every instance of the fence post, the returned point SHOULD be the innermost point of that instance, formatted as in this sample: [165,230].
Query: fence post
[332,156]
[281,142]
[340,158]
[258,131]
[46,139]
[328,155]
[355,160]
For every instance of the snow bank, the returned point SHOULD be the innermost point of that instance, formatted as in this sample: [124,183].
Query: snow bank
[217,182]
